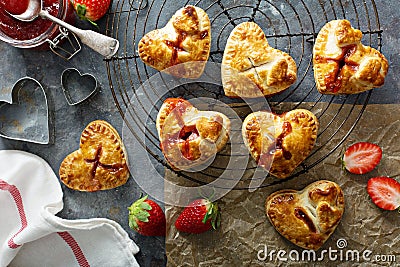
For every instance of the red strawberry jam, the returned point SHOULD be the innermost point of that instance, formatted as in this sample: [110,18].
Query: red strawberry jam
[15,7]
[20,30]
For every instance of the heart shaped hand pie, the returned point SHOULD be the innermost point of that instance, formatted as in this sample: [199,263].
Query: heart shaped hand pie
[99,164]
[306,218]
[342,64]
[251,68]
[190,137]
[185,38]
[279,143]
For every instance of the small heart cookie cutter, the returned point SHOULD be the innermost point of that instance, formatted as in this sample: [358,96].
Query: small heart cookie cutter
[78,87]
[25,116]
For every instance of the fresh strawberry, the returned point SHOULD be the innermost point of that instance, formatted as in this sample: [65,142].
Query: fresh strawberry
[91,10]
[384,192]
[147,218]
[362,157]
[199,216]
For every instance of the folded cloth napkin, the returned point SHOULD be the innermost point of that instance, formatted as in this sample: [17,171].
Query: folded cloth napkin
[30,233]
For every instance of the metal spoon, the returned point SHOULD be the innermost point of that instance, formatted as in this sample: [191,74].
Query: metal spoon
[104,45]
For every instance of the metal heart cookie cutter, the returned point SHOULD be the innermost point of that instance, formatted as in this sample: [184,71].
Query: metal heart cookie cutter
[78,87]
[25,116]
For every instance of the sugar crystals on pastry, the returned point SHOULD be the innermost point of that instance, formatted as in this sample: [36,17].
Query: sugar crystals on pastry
[251,67]
[189,137]
[279,143]
[184,44]
[100,163]
[342,64]
[307,218]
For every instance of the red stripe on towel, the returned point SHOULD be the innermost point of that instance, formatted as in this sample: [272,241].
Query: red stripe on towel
[16,195]
[80,257]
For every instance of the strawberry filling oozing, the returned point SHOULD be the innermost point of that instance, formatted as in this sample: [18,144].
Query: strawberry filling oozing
[177,105]
[300,214]
[177,45]
[187,134]
[334,80]
[266,158]
[20,30]
[286,130]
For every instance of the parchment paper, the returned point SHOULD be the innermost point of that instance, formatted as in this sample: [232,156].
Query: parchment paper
[245,229]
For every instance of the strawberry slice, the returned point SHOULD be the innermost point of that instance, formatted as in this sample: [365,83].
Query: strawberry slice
[362,157]
[384,192]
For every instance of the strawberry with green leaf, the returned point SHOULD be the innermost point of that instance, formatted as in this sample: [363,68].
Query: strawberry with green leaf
[199,216]
[91,10]
[147,218]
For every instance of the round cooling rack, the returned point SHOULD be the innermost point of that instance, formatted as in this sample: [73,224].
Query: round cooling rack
[289,25]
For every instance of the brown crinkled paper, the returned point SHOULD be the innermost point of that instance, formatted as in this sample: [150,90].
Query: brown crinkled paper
[245,229]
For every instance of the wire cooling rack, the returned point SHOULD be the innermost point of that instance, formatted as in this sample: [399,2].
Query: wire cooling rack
[289,25]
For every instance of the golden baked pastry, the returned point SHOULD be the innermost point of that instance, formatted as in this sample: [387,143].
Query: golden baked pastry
[279,143]
[251,68]
[306,218]
[342,64]
[189,137]
[185,38]
[100,163]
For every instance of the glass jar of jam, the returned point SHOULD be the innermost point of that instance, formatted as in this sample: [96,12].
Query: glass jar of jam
[37,33]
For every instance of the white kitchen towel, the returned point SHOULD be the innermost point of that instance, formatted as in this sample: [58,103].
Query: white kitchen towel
[30,233]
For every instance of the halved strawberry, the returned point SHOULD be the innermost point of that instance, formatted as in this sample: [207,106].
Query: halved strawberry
[362,157]
[384,192]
